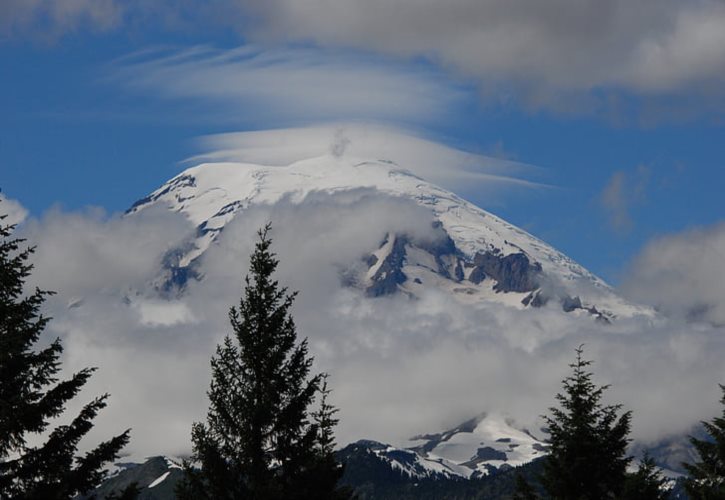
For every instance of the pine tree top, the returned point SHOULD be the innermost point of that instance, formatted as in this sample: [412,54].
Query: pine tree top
[588,440]
[262,438]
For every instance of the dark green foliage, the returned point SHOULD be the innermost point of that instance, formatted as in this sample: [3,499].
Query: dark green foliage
[31,395]
[133,481]
[645,484]
[373,479]
[524,491]
[368,475]
[707,477]
[261,441]
[588,441]
[130,492]
[326,472]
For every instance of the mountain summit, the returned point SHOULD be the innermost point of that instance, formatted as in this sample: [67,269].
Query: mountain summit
[475,256]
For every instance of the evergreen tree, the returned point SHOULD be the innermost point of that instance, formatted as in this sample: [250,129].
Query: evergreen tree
[707,477]
[326,472]
[587,458]
[31,395]
[261,439]
[524,490]
[645,484]
[130,492]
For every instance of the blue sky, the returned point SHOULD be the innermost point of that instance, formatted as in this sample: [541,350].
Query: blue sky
[619,111]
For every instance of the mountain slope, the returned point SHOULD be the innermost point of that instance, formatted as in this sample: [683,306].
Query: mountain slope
[155,479]
[482,446]
[476,256]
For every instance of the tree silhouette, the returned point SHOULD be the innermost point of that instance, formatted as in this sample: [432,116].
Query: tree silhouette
[31,395]
[707,477]
[262,438]
[587,459]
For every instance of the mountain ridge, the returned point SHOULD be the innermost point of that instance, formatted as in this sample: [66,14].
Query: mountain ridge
[478,256]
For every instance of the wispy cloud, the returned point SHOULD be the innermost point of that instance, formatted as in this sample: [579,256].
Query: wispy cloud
[250,85]
[621,193]
[49,19]
[666,58]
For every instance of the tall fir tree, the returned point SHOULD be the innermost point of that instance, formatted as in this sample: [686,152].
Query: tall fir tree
[31,396]
[588,441]
[706,479]
[646,483]
[262,438]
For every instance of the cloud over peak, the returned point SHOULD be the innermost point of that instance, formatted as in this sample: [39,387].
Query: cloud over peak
[443,165]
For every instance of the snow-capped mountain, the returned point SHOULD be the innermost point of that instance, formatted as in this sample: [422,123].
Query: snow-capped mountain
[476,448]
[477,257]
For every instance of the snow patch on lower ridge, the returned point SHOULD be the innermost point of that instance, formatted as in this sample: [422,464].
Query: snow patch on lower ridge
[476,448]
[476,257]
[159,479]
[156,477]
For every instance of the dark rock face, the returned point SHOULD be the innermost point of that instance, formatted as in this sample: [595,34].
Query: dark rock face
[459,271]
[536,299]
[366,471]
[513,273]
[174,277]
[568,304]
[176,280]
[541,447]
[488,453]
[371,260]
[390,273]
[539,298]
[477,275]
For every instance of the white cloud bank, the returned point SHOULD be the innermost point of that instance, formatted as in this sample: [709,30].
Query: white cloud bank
[14,212]
[683,274]
[562,55]
[559,54]
[398,366]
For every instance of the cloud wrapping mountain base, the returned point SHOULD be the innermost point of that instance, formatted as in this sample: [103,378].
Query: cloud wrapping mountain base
[682,274]
[398,366]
